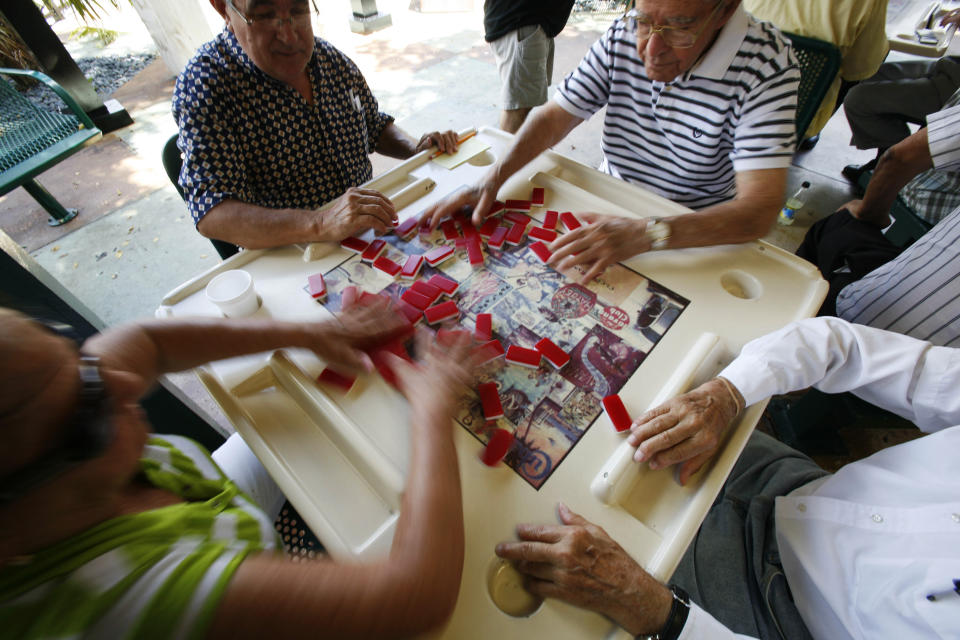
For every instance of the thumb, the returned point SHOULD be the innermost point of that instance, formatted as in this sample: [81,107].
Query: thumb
[482,209]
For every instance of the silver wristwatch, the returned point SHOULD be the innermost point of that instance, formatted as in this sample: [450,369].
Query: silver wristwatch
[658,233]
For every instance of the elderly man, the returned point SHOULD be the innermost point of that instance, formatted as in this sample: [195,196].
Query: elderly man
[275,123]
[788,550]
[701,101]
[110,532]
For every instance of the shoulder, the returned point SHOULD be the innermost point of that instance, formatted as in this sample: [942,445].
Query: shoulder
[331,58]
[766,48]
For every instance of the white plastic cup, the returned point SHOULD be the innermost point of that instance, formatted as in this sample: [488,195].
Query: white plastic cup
[232,291]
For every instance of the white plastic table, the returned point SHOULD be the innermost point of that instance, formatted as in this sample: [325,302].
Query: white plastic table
[342,459]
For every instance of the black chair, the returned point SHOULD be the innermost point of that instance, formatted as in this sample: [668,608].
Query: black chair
[819,64]
[172,162]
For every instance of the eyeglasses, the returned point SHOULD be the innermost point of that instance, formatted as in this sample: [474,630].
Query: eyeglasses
[299,17]
[675,37]
[87,436]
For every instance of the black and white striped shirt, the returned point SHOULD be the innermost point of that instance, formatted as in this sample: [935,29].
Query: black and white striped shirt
[918,293]
[734,110]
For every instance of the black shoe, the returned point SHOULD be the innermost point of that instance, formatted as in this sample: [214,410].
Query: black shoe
[852,172]
[808,143]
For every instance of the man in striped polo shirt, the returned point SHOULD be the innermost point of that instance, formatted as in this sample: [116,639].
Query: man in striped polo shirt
[701,101]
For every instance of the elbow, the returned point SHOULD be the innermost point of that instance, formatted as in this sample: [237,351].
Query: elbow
[429,601]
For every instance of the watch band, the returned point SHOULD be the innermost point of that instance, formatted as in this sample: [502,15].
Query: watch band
[679,610]
[658,232]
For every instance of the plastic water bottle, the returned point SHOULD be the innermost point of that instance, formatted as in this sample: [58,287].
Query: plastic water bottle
[793,204]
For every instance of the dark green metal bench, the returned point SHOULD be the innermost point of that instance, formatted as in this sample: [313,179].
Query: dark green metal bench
[33,140]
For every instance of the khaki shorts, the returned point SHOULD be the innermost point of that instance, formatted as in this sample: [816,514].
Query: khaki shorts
[525,62]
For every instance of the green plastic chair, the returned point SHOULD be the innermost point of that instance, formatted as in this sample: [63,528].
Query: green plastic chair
[33,140]
[819,64]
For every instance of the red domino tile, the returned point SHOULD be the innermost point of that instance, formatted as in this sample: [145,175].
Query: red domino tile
[424,288]
[388,266]
[484,329]
[523,357]
[542,234]
[354,244]
[617,413]
[411,268]
[496,207]
[541,250]
[569,221]
[349,296]
[447,337]
[410,312]
[318,288]
[366,297]
[382,364]
[523,205]
[424,227]
[415,299]
[373,250]
[490,399]
[438,255]
[538,196]
[554,354]
[497,447]
[449,229]
[550,221]
[440,312]
[407,228]
[448,286]
[469,231]
[330,377]
[474,252]
[515,235]
[460,243]
[498,237]
[488,227]
[489,351]
[517,217]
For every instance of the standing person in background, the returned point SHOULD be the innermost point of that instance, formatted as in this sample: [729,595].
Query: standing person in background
[521,36]
[856,27]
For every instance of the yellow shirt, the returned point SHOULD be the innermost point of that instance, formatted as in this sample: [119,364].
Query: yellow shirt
[856,27]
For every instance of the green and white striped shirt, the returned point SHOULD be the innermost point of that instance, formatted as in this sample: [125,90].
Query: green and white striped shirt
[156,574]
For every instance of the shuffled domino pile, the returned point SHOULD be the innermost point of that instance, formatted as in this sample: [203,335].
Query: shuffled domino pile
[432,300]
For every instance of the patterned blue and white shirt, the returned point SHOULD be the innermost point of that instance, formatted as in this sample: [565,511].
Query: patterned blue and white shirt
[247,136]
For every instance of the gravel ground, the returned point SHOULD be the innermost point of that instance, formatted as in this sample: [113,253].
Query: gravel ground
[108,73]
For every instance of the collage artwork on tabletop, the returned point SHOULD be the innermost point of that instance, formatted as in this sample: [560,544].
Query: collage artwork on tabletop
[607,327]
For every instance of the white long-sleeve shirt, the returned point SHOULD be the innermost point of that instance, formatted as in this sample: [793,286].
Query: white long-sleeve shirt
[862,548]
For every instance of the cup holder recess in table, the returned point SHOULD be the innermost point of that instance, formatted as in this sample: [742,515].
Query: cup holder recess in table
[505,587]
[741,284]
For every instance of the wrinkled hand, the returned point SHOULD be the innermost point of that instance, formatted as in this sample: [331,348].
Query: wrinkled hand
[356,211]
[687,429]
[445,141]
[435,383]
[577,562]
[602,241]
[866,214]
[479,197]
[950,18]
[343,342]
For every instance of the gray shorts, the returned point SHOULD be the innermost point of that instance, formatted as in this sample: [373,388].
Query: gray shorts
[525,62]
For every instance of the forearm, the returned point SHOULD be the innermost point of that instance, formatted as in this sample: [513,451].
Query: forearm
[730,222]
[428,547]
[255,227]
[896,167]
[394,142]
[545,127]
[154,347]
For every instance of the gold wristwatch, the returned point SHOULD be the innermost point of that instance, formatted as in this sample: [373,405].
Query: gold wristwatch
[658,233]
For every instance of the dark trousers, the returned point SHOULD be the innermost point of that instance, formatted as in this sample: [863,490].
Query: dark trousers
[732,568]
[844,249]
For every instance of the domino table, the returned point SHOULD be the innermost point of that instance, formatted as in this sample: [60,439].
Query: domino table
[645,331]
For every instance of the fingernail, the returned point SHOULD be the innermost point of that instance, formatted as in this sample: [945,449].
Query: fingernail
[654,465]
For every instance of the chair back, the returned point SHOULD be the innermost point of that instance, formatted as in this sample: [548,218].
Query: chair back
[819,64]
[172,163]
